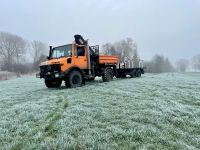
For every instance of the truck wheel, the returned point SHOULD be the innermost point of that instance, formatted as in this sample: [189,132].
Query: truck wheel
[134,74]
[53,83]
[75,79]
[107,75]
[139,73]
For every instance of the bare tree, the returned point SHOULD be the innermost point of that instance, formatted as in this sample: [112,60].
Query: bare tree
[12,49]
[124,49]
[158,64]
[109,49]
[182,65]
[168,67]
[149,66]
[39,53]
[135,57]
[196,62]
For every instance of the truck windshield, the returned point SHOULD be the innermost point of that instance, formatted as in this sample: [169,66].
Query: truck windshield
[62,51]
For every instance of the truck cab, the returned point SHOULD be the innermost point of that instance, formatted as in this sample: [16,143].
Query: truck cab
[67,56]
[63,60]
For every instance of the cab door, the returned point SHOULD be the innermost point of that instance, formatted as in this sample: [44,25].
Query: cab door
[80,57]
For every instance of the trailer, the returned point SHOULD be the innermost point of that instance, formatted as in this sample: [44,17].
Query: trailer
[78,62]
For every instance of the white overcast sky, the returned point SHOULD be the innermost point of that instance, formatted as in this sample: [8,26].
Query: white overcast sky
[167,27]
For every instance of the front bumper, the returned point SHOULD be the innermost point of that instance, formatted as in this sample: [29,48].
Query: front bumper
[50,75]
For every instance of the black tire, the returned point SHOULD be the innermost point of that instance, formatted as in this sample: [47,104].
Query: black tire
[139,73]
[74,80]
[53,83]
[134,74]
[107,75]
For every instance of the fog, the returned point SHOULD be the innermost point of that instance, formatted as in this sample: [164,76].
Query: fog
[169,28]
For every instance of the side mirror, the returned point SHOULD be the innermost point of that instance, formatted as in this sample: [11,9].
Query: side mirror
[50,52]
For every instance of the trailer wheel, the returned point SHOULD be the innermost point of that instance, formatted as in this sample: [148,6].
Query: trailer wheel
[53,83]
[107,75]
[139,73]
[133,74]
[75,79]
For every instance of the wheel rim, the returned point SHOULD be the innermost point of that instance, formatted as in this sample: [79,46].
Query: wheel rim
[76,79]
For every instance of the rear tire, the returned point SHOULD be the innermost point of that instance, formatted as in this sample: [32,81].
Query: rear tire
[134,74]
[139,73]
[107,75]
[53,83]
[74,80]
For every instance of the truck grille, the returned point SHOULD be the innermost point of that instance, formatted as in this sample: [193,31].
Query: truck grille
[50,68]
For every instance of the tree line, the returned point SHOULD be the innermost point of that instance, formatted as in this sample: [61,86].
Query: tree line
[14,52]
[127,49]
[161,64]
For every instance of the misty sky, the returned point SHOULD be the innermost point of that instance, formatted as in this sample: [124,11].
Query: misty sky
[170,27]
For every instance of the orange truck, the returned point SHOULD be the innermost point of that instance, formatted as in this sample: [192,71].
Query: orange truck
[78,62]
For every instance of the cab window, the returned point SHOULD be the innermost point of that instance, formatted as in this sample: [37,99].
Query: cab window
[80,51]
[62,51]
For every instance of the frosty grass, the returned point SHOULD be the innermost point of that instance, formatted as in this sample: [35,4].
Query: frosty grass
[156,111]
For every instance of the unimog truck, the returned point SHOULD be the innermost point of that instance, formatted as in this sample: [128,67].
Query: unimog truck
[78,62]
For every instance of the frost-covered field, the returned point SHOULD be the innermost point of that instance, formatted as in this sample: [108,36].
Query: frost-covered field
[4,75]
[153,112]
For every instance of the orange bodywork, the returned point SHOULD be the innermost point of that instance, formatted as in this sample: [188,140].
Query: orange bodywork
[105,59]
[80,61]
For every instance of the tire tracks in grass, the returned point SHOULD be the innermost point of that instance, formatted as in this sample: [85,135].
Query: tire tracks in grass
[49,129]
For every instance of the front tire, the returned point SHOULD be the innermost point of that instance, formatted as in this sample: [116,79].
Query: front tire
[53,83]
[74,80]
